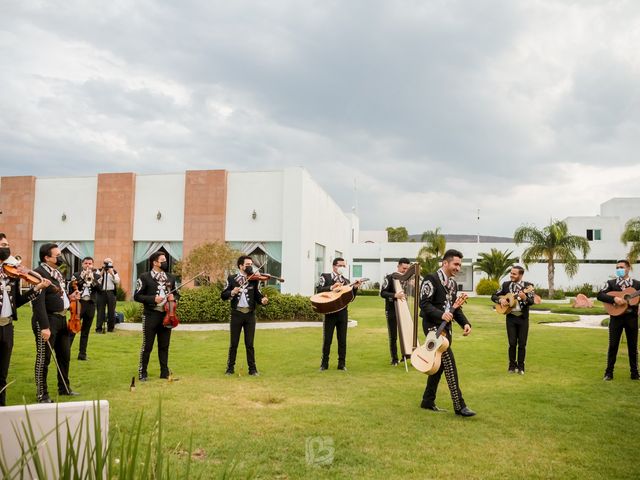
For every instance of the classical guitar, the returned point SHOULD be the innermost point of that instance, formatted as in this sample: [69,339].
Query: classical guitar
[629,295]
[334,300]
[512,301]
[427,358]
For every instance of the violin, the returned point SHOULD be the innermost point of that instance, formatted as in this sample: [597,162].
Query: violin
[171,319]
[263,277]
[26,274]
[74,325]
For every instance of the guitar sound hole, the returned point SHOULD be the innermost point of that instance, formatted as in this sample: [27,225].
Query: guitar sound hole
[431,345]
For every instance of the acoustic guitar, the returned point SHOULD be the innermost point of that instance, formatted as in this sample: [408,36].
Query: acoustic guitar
[334,300]
[629,295]
[428,357]
[512,299]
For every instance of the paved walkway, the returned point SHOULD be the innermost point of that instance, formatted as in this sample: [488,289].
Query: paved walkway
[586,321]
[204,327]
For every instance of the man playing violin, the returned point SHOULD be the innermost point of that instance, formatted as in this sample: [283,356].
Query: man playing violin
[86,282]
[244,295]
[154,289]
[11,298]
[339,320]
[627,321]
[49,324]
[518,318]
[437,297]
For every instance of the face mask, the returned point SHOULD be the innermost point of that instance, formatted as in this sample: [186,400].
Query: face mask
[620,272]
[164,266]
[342,271]
[248,269]
[59,261]
[5,252]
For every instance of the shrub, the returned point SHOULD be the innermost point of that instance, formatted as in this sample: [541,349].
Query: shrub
[487,287]
[121,295]
[132,312]
[203,305]
[544,293]
[586,289]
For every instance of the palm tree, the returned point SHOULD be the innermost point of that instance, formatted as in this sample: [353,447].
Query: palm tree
[632,234]
[552,244]
[430,255]
[495,264]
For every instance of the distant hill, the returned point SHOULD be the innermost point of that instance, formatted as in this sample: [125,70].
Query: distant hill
[466,238]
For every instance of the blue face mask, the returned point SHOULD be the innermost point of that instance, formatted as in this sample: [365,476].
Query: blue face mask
[620,273]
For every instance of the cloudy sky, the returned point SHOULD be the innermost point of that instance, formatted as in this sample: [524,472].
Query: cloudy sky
[524,109]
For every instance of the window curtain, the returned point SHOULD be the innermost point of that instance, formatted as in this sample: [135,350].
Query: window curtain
[79,249]
[272,249]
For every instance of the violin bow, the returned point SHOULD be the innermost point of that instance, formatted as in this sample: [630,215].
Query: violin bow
[184,283]
[55,360]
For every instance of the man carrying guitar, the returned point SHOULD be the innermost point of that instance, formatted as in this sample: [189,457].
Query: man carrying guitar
[337,320]
[518,317]
[437,296]
[627,321]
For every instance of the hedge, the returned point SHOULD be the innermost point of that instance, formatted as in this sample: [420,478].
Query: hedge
[487,287]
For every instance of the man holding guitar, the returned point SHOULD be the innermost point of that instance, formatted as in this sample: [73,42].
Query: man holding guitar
[437,297]
[337,320]
[517,317]
[627,320]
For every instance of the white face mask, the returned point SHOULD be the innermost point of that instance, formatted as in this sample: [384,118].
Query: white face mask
[342,271]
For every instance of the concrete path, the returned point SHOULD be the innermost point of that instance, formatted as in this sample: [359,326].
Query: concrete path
[204,327]
[586,321]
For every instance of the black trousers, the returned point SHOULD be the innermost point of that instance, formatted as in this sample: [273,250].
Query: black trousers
[59,341]
[6,347]
[629,323]
[151,328]
[106,300]
[517,333]
[392,327]
[337,321]
[448,367]
[240,321]
[87,312]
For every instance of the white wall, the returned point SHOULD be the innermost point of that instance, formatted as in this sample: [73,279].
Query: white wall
[73,196]
[162,193]
[259,191]
[625,208]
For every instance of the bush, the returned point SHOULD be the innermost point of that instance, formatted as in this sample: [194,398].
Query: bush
[544,293]
[121,295]
[487,287]
[132,312]
[586,289]
[204,305]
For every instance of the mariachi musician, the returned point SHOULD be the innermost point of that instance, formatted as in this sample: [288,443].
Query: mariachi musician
[338,320]
[11,298]
[388,292]
[154,289]
[86,282]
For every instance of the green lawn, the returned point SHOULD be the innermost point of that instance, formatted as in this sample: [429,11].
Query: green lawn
[560,420]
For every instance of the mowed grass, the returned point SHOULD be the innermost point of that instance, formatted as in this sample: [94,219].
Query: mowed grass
[560,420]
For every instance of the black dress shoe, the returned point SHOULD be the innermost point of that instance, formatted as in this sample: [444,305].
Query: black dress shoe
[229,371]
[142,378]
[254,373]
[607,377]
[83,357]
[635,376]
[70,393]
[433,408]
[394,363]
[45,399]
[465,412]
[342,367]
[324,367]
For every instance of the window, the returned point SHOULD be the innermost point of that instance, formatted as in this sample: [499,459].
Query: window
[319,260]
[357,271]
[594,234]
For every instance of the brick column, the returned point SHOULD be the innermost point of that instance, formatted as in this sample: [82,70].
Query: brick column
[205,207]
[114,223]
[17,201]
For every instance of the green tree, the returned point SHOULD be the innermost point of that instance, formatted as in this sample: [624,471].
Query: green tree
[430,255]
[631,235]
[495,264]
[214,259]
[552,244]
[397,234]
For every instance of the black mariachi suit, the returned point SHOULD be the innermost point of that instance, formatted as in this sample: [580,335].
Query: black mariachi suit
[517,322]
[49,312]
[147,287]
[337,320]
[16,300]
[105,302]
[87,309]
[242,320]
[387,292]
[628,322]
[435,299]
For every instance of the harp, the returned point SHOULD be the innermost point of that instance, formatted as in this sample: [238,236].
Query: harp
[407,310]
